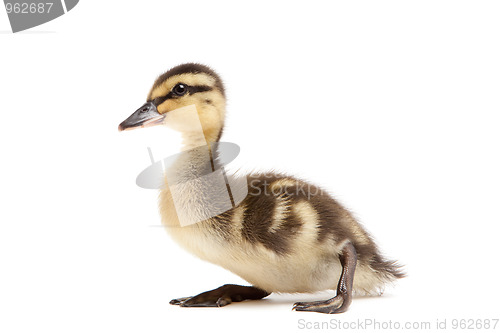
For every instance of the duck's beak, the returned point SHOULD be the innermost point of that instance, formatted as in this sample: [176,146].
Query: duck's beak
[147,115]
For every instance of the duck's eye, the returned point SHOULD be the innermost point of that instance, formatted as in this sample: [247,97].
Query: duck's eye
[179,89]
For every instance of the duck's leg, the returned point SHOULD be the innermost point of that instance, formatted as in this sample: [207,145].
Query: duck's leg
[221,296]
[341,302]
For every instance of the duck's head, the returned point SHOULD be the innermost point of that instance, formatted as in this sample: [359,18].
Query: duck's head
[180,87]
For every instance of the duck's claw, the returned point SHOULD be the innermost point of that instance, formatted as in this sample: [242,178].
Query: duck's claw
[179,301]
[202,301]
[333,305]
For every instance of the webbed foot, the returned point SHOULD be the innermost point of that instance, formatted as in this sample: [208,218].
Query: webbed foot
[221,296]
[336,304]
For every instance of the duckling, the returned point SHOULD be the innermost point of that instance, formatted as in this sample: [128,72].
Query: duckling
[285,236]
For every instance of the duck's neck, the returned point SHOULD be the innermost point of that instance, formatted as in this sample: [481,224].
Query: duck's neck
[189,191]
[193,140]
[195,146]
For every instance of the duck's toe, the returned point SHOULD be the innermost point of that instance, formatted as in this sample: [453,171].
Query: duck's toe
[334,305]
[221,296]
[206,301]
[179,301]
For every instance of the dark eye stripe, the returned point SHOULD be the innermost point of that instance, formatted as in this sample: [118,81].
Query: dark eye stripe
[158,100]
[196,89]
[191,89]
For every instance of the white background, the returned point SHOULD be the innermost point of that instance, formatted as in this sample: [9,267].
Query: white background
[390,105]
